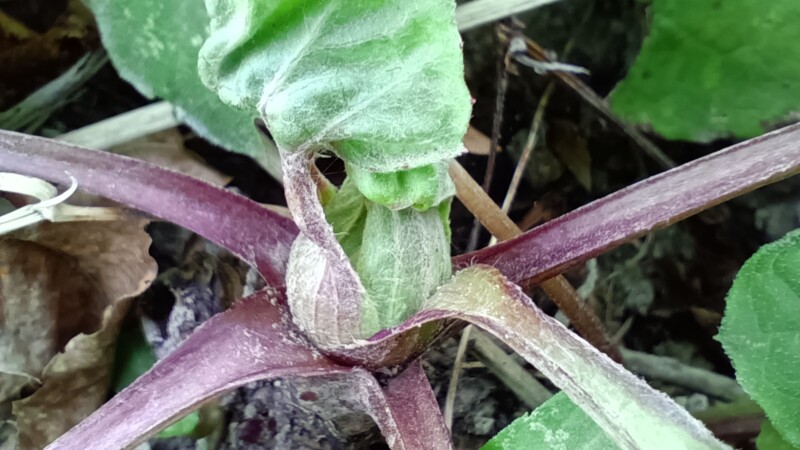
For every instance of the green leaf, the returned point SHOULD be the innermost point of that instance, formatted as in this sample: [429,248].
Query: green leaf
[380,83]
[400,256]
[183,427]
[347,212]
[421,188]
[132,357]
[556,424]
[154,45]
[715,68]
[770,439]
[761,332]
[404,257]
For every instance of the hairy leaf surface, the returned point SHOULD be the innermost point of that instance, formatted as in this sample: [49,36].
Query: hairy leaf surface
[761,332]
[381,83]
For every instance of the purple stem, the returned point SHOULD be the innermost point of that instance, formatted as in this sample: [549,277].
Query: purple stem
[646,206]
[416,416]
[253,340]
[260,237]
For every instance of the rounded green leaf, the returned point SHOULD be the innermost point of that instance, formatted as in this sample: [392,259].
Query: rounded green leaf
[715,68]
[154,45]
[761,332]
[380,83]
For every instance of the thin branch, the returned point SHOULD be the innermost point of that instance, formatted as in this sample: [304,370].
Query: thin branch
[124,128]
[497,122]
[452,387]
[530,143]
[536,52]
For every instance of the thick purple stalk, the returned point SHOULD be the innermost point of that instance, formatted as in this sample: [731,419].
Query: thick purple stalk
[253,340]
[415,413]
[259,236]
[237,223]
[324,291]
[405,410]
[643,207]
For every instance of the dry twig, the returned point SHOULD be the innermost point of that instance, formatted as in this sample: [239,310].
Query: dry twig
[536,52]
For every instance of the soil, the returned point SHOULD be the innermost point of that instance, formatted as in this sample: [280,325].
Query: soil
[663,294]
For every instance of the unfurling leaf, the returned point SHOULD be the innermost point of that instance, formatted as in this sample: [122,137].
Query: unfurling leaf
[380,83]
[65,288]
[761,332]
[421,188]
[400,256]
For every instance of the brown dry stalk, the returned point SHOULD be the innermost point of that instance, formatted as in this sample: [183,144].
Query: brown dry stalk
[557,288]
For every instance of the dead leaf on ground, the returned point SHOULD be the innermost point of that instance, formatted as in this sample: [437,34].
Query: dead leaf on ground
[477,143]
[65,288]
[167,149]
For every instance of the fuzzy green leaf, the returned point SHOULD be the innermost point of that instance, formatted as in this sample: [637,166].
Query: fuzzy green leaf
[761,332]
[770,439]
[421,188]
[715,68]
[556,424]
[400,256]
[154,45]
[347,212]
[380,83]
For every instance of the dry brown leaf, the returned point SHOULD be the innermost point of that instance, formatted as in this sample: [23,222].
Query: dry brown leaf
[477,143]
[167,149]
[65,288]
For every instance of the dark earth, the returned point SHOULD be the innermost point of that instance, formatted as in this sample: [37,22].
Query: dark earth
[662,295]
